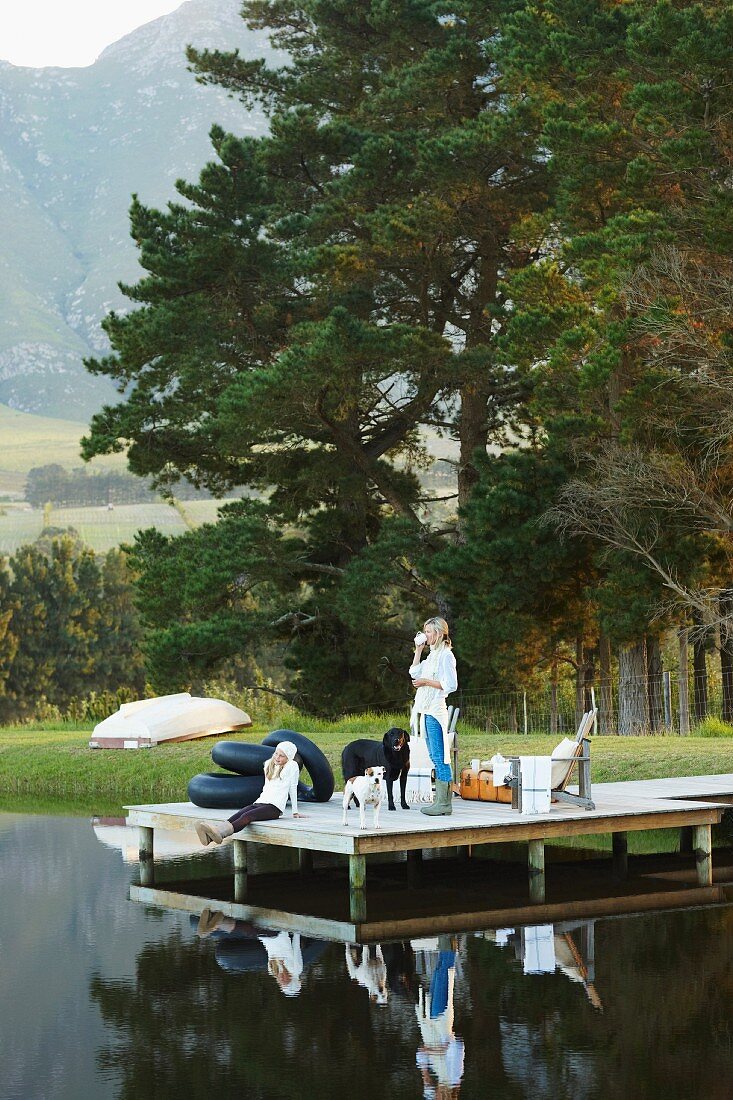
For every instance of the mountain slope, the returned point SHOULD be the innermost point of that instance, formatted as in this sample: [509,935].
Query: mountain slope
[74,145]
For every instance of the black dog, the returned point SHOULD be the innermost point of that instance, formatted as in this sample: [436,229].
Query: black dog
[391,753]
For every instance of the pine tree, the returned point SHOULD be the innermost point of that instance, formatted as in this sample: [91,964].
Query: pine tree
[31,671]
[324,294]
[519,593]
[636,99]
[8,638]
[118,660]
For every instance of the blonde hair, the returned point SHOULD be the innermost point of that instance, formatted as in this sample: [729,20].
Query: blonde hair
[443,630]
[272,770]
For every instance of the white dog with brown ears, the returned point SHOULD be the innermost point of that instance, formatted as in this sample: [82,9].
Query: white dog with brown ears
[367,789]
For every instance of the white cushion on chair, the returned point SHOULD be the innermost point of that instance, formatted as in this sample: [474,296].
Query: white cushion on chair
[565,751]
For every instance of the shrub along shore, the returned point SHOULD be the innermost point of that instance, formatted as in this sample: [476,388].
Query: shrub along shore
[45,768]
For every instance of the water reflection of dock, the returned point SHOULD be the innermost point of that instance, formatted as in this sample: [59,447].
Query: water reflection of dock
[662,888]
[619,809]
[414,981]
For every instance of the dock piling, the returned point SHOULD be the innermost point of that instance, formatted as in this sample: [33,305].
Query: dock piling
[536,860]
[414,864]
[239,853]
[145,855]
[145,843]
[620,842]
[305,861]
[357,887]
[703,847]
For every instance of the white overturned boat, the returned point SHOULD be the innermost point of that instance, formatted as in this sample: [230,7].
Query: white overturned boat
[180,717]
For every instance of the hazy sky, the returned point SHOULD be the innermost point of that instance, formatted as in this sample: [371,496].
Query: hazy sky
[70,32]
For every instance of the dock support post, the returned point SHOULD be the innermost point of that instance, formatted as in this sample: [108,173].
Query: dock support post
[620,842]
[537,871]
[703,846]
[145,853]
[305,861]
[239,852]
[357,888]
[414,863]
[686,845]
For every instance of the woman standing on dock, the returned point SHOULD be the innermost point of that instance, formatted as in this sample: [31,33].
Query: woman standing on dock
[281,783]
[435,678]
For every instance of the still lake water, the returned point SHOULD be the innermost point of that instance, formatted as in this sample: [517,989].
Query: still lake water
[103,997]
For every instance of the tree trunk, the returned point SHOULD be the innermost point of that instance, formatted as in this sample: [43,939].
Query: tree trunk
[580,674]
[473,425]
[654,683]
[726,652]
[605,700]
[553,699]
[699,672]
[684,686]
[633,717]
[473,433]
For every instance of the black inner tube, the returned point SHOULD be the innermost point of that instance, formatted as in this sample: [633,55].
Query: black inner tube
[241,756]
[221,791]
[314,760]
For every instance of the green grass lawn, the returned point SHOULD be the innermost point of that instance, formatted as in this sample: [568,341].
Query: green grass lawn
[56,764]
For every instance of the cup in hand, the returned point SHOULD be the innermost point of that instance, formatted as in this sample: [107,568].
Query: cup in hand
[420,638]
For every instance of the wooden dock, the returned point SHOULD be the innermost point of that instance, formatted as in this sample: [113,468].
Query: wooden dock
[692,805]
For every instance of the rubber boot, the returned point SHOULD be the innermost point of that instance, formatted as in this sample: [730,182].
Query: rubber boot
[442,805]
[208,833]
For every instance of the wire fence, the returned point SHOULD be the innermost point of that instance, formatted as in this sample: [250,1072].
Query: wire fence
[655,705]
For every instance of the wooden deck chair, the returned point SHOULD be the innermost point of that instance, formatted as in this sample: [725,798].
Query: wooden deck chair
[565,757]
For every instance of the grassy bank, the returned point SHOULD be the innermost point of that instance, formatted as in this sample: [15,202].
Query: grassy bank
[55,765]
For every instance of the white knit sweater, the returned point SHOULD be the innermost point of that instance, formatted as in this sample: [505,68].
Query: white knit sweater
[277,791]
[440,665]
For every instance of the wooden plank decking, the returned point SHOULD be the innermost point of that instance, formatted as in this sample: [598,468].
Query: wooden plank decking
[470,823]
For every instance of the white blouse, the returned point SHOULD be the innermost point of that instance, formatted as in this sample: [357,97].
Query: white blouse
[439,665]
[277,791]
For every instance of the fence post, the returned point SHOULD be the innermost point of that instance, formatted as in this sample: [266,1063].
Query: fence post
[524,705]
[684,691]
[667,694]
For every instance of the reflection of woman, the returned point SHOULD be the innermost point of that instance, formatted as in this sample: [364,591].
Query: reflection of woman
[440,1057]
[285,960]
[281,783]
[435,678]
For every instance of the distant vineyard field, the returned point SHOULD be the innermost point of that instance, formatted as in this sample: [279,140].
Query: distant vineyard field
[102,528]
[27,441]
[18,527]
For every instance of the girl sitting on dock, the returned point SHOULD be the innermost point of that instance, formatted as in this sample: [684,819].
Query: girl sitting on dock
[281,783]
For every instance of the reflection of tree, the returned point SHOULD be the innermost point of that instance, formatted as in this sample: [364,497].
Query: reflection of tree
[668,990]
[666,982]
[201,1032]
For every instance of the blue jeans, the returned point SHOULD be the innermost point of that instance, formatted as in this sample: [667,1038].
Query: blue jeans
[439,984]
[434,736]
